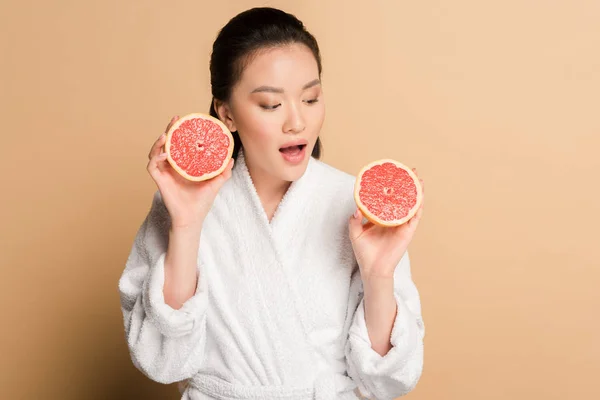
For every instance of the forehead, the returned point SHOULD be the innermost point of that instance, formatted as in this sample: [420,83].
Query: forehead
[290,66]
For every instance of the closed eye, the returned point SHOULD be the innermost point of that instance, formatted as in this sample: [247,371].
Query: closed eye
[312,101]
[269,107]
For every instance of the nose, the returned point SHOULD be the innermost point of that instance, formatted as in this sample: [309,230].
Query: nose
[294,122]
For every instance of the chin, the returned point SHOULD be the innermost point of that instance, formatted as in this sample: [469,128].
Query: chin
[292,173]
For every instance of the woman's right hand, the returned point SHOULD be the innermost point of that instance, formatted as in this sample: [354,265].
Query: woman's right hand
[187,202]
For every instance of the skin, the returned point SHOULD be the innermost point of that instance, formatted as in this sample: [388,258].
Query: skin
[278,99]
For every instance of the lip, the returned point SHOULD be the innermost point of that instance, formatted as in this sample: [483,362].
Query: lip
[299,142]
[296,158]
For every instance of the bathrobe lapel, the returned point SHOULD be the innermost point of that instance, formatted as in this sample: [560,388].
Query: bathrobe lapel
[265,244]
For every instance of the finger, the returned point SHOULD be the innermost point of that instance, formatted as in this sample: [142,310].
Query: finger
[419,213]
[157,147]
[414,221]
[228,170]
[224,176]
[170,124]
[157,164]
[355,224]
[417,174]
[367,225]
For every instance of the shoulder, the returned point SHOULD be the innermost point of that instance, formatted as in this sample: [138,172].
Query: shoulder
[331,173]
[336,186]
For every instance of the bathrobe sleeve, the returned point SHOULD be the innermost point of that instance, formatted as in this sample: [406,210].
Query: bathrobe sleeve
[396,373]
[167,345]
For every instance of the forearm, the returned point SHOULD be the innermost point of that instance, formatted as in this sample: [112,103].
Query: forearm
[181,272]
[380,312]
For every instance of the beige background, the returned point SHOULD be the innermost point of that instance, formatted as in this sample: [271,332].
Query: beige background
[496,103]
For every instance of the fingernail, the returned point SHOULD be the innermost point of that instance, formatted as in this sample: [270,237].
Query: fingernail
[356,213]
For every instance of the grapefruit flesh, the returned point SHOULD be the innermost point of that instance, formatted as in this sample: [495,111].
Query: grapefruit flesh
[199,146]
[388,193]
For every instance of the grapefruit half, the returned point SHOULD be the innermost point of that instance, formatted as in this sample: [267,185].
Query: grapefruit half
[199,146]
[388,193]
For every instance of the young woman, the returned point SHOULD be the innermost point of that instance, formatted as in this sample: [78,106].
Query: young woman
[264,283]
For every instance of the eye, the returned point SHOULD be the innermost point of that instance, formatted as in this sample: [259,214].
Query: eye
[269,107]
[311,101]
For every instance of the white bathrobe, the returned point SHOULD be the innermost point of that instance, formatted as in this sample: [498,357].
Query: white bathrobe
[278,310]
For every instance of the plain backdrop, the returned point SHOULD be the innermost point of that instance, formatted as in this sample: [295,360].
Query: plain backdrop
[496,103]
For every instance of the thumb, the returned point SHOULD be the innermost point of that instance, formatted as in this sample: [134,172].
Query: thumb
[224,176]
[355,226]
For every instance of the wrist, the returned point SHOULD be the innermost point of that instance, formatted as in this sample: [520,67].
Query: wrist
[184,233]
[377,276]
[378,285]
[186,225]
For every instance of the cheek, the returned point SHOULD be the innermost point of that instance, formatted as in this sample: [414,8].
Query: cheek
[256,127]
[317,116]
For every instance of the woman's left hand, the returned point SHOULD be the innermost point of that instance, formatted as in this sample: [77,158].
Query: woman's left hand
[379,249]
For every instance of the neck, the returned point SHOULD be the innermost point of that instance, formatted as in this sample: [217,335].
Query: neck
[270,190]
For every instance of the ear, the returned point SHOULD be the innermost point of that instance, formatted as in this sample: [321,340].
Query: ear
[223,110]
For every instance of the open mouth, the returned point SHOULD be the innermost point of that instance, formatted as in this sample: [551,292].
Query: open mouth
[294,154]
[292,149]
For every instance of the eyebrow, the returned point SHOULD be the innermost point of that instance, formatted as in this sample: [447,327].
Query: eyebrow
[271,89]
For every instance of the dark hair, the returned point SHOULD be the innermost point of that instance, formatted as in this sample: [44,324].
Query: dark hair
[247,32]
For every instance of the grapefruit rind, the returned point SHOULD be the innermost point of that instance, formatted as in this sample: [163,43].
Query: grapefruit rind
[178,168]
[372,217]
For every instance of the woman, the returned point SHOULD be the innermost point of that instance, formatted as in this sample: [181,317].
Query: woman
[263,282]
